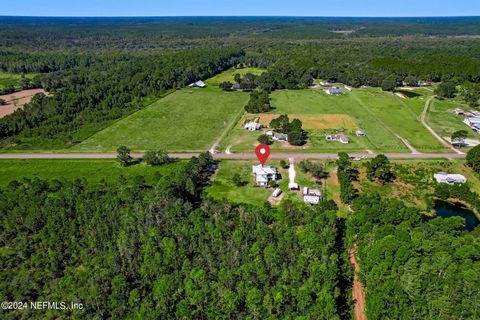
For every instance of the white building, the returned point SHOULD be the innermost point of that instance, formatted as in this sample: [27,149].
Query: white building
[198,84]
[312,196]
[334,91]
[277,193]
[337,137]
[252,126]
[264,174]
[443,177]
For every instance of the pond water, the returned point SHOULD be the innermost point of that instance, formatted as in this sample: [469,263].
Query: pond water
[447,210]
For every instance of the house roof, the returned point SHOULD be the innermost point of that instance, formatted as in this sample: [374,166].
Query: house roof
[266,170]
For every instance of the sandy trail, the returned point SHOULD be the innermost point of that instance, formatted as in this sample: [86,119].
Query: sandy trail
[357,289]
[423,119]
[17,100]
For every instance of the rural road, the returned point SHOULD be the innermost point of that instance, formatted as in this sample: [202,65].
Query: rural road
[225,156]
[423,120]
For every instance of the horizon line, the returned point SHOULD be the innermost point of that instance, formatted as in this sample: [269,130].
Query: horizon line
[234,16]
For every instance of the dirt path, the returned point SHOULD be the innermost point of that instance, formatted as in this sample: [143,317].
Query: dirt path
[408,145]
[357,290]
[213,148]
[423,118]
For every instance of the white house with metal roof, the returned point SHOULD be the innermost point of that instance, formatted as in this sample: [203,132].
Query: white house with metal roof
[264,174]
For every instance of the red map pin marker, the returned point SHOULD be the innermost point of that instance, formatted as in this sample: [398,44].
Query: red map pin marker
[263,152]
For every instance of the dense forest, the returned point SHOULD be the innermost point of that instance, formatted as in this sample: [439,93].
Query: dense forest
[157,250]
[415,267]
[88,93]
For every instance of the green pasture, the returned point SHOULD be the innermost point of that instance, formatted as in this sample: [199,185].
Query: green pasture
[186,120]
[92,170]
[382,115]
[230,74]
[442,119]
[11,79]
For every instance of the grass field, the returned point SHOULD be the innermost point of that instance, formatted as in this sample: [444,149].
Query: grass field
[92,170]
[229,75]
[186,120]
[442,119]
[11,79]
[382,115]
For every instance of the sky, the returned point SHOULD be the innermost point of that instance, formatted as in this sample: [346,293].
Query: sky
[344,8]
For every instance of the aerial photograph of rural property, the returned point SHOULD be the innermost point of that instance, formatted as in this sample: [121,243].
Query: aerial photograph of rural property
[258,160]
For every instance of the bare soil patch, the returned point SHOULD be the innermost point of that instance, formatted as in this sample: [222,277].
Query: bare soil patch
[358,297]
[17,100]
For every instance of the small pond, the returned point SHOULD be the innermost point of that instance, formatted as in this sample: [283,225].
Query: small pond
[447,209]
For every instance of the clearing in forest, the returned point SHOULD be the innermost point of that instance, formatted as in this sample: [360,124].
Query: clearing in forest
[17,100]
[186,120]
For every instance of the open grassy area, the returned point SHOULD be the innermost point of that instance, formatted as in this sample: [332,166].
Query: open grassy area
[11,79]
[92,170]
[229,75]
[222,186]
[186,120]
[442,119]
[382,115]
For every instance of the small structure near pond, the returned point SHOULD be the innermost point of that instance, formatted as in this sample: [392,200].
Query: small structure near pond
[443,177]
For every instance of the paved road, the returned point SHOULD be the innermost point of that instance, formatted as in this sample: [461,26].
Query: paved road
[232,156]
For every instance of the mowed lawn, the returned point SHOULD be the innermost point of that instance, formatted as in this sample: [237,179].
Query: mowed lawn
[401,116]
[186,120]
[382,115]
[442,119]
[92,170]
[222,186]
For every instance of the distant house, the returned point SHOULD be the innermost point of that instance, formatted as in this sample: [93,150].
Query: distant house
[348,88]
[198,84]
[338,137]
[472,122]
[443,177]
[236,86]
[264,174]
[280,136]
[334,91]
[252,125]
[360,133]
[475,113]
[269,133]
[311,196]
[459,112]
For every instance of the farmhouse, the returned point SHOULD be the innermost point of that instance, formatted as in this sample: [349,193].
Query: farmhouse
[280,136]
[311,196]
[264,174]
[337,137]
[236,86]
[334,91]
[443,177]
[269,133]
[198,84]
[360,133]
[252,125]
[348,88]
[459,112]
